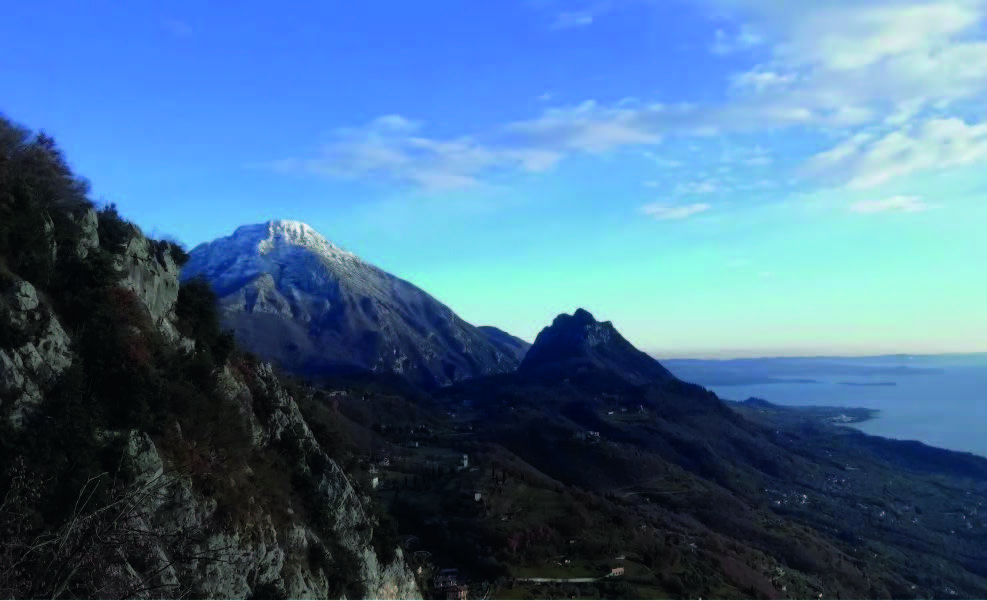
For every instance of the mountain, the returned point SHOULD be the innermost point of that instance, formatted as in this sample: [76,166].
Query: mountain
[293,297]
[578,341]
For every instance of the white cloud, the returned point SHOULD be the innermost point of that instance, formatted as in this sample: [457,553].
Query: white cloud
[874,55]
[750,156]
[906,204]
[698,188]
[847,36]
[661,161]
[668,213]
[727,43]
[865,161]
[590,127]
[390,148]
[568,20]
[855,64]
[760,80]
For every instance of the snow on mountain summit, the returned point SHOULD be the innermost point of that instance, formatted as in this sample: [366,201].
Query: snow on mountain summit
[276,232]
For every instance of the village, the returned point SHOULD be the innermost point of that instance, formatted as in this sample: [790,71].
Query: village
[438,482]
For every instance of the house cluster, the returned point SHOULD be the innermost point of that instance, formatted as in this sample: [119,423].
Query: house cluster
[588,436]
[450,584]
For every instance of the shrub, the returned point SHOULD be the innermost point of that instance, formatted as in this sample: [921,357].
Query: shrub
[114,230]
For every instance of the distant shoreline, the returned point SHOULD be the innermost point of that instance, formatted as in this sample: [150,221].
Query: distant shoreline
[759,381]
[867,383]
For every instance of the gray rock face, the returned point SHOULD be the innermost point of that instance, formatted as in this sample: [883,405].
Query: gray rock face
[151,272]
[236,562]
[88,223]
[294,298]
[35,354]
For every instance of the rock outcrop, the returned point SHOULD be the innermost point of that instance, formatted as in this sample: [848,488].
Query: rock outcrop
[88,224]
[258,555]
[34,350]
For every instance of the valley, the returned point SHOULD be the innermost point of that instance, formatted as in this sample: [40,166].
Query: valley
[528,486]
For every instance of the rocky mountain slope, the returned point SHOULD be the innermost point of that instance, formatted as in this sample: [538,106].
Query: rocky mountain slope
[142,456]
[294,298]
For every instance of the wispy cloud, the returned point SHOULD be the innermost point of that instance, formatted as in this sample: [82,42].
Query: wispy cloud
[729,43]
[905,204]
[697,188]
[392,148]
[569,20]
[865,161]
[662,161]
[663,212]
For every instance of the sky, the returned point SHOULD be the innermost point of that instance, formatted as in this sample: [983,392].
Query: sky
[717,177]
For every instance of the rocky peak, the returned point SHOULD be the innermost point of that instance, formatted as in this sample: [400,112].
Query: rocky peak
[282,232]
[579,340]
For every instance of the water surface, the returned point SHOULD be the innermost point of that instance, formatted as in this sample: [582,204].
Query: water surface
[944,407]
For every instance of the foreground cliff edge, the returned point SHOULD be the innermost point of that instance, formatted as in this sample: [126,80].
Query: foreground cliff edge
[143,456]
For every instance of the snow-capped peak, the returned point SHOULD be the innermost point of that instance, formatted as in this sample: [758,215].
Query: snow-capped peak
[278,233]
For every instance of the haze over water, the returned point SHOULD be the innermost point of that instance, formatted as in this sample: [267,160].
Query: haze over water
[945,408]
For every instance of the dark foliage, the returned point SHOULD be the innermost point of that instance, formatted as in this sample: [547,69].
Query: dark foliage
[198,318]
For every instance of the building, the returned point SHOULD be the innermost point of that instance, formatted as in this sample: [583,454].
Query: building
[618,571]
[446,579]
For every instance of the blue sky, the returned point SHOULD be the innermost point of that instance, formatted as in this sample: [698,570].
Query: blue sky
[718,177]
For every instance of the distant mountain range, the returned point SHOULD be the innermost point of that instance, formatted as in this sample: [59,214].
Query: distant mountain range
[798,370]
[293,297]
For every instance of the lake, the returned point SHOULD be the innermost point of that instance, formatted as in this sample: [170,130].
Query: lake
[940,400]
